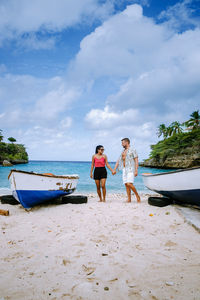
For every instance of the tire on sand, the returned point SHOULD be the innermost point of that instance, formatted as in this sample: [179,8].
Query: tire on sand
[8,199]
[160,201]
[74,199]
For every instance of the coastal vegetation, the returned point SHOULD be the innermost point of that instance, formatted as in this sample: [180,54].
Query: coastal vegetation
[177,128]
[180,147]
[14,153]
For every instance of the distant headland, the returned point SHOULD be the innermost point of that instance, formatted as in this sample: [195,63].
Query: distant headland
[180,147]
[12,153]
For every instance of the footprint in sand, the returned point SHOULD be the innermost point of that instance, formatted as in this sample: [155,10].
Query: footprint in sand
[80,244]
[170,244]
[137,227]
[138,247]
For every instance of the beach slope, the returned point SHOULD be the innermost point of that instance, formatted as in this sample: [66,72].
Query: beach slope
[112,250]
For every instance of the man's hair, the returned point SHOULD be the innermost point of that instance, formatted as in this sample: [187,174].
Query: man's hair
[126,140]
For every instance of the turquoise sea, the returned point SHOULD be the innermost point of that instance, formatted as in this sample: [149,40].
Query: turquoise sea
[85,183]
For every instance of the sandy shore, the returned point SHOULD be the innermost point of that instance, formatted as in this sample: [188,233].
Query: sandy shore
[99,251]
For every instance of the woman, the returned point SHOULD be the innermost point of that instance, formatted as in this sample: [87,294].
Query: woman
[99,161]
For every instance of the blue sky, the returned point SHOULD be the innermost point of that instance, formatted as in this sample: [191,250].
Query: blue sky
[74,74]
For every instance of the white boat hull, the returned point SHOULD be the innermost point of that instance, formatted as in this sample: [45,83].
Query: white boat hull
[182,185]
[31,189]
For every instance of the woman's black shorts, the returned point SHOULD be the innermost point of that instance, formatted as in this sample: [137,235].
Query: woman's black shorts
[100,173]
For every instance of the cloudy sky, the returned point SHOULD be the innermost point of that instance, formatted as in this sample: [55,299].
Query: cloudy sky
[75,74]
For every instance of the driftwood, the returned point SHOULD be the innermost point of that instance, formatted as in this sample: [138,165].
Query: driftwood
[4,212]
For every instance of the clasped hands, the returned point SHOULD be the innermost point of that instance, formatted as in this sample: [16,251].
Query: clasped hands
[114,172]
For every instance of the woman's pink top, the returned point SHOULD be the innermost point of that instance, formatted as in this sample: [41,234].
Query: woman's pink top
[99,163]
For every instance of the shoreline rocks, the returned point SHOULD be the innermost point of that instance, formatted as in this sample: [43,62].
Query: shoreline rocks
[10,163]
[6,163]
[182,161]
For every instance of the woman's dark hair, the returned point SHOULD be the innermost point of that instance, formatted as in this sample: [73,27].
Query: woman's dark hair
[97,148]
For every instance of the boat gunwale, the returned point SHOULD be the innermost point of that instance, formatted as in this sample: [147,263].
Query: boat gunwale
[44,175]
[170,172]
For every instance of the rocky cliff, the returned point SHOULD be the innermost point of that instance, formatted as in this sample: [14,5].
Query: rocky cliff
[13,153]
[179,151]
[191,159]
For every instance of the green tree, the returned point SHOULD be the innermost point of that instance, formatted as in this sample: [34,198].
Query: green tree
[174,128]
[11,149]
[12,140]
[194,121]
[162,130]
[1,136]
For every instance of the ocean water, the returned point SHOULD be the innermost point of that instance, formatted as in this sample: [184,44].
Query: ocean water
[85,184]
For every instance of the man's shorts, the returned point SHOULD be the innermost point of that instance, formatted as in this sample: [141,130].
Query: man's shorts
[127,177]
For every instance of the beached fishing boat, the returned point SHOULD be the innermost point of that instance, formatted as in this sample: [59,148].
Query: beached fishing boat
[181,185]
[31,189]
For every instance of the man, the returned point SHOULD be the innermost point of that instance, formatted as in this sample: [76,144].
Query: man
[128,163]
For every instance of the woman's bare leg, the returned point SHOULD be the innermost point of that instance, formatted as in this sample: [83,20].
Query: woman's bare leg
[98,189]
[103,186]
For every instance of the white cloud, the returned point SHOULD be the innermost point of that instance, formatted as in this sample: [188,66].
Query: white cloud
[27,100]
[181,15]
[106,119]
[160,69]
[37,112]
[31,41]
[27,17]
[3,68]
[131,46]
[55,102]
[66,123]
[159,66]
[124,45]
[2,115]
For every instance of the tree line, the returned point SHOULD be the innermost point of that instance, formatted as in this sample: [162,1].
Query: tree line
[12,152]
[177,127]
[10,139]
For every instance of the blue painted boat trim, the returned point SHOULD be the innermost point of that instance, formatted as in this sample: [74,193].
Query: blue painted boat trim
[186,196]
[29,199]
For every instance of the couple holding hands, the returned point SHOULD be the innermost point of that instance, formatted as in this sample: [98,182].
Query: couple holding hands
[127,162]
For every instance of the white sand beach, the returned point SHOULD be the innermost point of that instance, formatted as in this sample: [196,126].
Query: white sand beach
[113,250]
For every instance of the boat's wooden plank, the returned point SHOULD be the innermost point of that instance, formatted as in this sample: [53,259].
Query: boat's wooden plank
[44,175]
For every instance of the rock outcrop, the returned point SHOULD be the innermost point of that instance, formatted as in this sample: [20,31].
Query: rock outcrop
[6,163]
[191,158]
[13,154]
[19,161]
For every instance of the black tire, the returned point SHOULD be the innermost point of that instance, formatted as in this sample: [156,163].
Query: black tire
[75,199]
[9,199]
[160,201]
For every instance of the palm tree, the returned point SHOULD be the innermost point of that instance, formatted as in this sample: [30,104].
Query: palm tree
[174,128]
[12,140]
[194,121]
[169,130]
[1,136]
[162,130]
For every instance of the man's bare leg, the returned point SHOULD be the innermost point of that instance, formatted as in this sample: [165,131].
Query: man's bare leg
[98,189]
[131,186]
[103,186]
[128,191]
